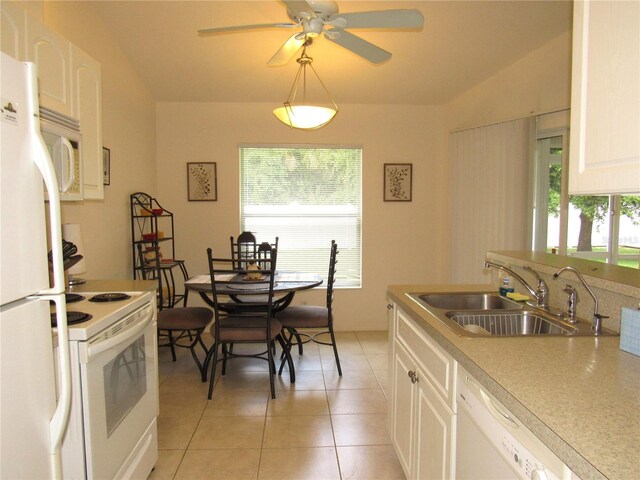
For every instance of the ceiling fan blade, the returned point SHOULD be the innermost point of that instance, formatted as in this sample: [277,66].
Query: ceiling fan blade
[287,51]
[381,19]
[358,46]
[208,31]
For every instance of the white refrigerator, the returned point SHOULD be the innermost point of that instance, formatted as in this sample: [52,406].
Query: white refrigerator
[34,381]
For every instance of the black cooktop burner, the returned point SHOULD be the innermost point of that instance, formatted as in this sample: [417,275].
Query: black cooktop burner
[72,318]
[73,297]
[109,297]
[69,298]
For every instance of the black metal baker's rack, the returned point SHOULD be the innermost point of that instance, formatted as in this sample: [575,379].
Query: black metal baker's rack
[149,222]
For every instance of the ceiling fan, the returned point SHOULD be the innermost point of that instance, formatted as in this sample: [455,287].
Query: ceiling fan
[321,17]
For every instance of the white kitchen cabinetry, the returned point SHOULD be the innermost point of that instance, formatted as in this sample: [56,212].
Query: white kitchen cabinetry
[605,98]
[422,417]
[52,54]
[69,80]
[12,30]
[86,104]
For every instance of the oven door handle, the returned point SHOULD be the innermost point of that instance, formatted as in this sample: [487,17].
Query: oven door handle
[122,337]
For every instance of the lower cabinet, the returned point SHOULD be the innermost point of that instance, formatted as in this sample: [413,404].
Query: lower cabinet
[435,436]
[422,419]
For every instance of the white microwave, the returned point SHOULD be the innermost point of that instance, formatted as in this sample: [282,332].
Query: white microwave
[64,142]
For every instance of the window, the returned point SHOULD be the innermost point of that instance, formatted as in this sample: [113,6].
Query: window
[306,196]
[600,228]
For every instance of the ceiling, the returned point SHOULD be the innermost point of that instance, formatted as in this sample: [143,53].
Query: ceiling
[462,43]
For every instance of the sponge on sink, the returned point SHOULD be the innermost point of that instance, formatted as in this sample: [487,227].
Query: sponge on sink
[518,297]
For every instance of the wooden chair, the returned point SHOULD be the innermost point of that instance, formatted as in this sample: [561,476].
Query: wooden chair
[295,318]
[254,325]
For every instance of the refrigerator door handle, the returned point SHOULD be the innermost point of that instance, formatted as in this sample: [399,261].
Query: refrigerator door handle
[60,419]
[45,165]
[58,423]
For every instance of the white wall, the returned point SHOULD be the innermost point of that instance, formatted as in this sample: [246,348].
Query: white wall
[128,131]
[537,83]
[402,242]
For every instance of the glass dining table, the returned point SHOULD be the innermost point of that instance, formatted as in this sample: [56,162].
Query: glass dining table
[286,284]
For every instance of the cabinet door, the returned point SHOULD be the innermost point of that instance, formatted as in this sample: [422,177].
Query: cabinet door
[434,436]
[605,98]
[51,53]
[402,418]
[12,30]
[87,107]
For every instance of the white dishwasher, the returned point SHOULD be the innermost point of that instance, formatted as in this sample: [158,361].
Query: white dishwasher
[492,444]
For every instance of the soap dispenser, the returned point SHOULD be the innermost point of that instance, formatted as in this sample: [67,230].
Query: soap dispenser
[506,286]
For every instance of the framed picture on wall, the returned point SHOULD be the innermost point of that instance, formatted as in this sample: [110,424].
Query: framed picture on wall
[397,182]
[106,166]
[202,182]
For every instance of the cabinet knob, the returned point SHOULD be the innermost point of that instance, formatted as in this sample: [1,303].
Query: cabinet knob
[413,376]
[389,306]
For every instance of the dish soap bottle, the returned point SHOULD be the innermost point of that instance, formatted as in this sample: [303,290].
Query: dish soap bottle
[506,287]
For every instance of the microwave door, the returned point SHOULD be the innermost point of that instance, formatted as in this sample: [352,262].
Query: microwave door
[61,153]
[65,159]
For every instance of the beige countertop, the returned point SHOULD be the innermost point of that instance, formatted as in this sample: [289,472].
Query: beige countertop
[579,395]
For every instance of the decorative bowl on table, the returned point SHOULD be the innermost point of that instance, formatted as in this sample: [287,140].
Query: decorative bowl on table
[157,211]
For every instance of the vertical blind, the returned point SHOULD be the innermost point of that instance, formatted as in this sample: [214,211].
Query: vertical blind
[306,196]
[489,195]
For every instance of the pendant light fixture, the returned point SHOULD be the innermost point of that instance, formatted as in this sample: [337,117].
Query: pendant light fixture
[303,115]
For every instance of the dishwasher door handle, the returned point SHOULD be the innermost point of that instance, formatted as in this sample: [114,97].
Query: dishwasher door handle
[497,412]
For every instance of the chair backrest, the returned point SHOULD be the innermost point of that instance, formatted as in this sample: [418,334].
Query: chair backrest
[332,273]
[243,249]
[228,281]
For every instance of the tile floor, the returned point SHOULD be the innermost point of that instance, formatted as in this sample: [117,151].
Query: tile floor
[322,427]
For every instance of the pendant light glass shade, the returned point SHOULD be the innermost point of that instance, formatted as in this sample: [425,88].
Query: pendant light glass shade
[303,115]
[306,117]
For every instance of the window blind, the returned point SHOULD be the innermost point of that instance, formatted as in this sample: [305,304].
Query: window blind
[306,196]
[489,193]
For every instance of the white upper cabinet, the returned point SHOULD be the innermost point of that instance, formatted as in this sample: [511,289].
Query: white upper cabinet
[87,107]
[69,81]
[12,30]
[605,98]
[52,54]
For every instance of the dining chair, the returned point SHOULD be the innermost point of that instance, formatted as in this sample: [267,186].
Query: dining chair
[176,326]
[297,317]
[183,327]
[253,325]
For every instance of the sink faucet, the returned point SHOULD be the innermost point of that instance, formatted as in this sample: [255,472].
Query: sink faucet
[488,264]
[572,301]
[542,291]
[596,323]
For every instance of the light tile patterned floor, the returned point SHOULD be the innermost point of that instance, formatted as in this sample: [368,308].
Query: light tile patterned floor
[322,427]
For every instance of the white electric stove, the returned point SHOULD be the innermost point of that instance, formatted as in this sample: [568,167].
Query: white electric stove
[112,430]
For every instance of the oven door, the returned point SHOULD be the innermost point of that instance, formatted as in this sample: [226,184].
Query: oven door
[120,394]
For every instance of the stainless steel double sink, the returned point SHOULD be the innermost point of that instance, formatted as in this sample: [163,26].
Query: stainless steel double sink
[487,314]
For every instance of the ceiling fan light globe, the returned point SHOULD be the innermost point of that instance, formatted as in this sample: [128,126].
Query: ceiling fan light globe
[304,117]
